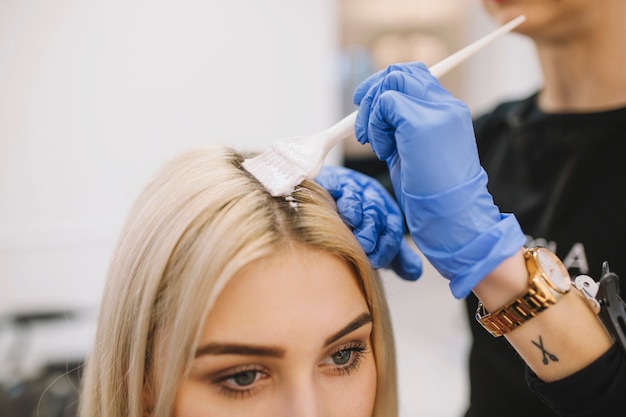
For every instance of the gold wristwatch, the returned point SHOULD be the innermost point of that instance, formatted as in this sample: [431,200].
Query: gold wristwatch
[548,282]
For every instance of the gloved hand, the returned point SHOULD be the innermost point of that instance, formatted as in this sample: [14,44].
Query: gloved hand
[427,139]
[375,219]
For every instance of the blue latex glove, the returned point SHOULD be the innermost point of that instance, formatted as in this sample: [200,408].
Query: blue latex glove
[427,139]
[374,217]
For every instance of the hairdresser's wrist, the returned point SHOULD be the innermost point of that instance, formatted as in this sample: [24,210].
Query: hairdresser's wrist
[558,341]
[507,281]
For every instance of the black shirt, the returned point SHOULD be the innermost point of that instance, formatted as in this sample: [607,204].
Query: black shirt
[564,177]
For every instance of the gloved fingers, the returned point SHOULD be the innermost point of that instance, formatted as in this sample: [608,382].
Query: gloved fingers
[381,131]
[391,109]
[421,117]
[366,92]
[390,236]
[362,97]
[372,213]
[415,81]
[418,86]
[407,264]
[365,87]
[391,249]
[362,119]
[435,141]
[383,223]
[422,92]
[347,193]
[372,227]
[411,80]
[350,207]
[362,89]
[386,249]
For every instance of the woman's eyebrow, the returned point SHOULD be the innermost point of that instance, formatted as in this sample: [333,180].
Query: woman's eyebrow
[276,352]
[238,349]
[358,322]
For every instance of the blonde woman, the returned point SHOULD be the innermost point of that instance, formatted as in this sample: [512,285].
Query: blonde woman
[224,301]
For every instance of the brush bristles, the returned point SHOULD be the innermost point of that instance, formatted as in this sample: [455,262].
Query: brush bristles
[278,174]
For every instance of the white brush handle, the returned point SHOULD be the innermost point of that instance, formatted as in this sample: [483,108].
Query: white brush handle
[442,67]
[345,127]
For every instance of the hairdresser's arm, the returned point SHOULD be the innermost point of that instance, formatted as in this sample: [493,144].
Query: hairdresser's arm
[569,329]
[426,137]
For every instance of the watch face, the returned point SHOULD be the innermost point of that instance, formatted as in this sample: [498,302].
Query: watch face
[554,269]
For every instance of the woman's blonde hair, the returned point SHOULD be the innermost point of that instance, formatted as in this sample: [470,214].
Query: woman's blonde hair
[192,228]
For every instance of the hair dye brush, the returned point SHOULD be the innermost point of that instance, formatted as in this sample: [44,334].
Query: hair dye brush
[291,160]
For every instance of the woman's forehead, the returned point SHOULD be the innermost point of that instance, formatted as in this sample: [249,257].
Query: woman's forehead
[297,292]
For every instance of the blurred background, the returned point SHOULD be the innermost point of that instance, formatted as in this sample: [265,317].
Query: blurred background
[95,95]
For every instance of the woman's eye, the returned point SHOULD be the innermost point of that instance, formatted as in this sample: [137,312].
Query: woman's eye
[342,357]
[243,379]
[346,359]
[242,383]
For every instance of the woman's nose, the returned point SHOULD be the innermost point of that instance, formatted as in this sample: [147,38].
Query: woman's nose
[304,398]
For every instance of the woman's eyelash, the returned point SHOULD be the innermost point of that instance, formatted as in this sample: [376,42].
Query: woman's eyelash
[247,378]
[226,387]
[356,350]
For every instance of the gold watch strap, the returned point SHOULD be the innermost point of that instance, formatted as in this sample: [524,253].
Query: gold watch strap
[540,295]
[513,314]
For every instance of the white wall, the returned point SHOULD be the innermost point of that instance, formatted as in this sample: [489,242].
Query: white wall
[96,94]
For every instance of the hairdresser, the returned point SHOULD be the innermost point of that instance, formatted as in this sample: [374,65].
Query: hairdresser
[426,137]
[555,160]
